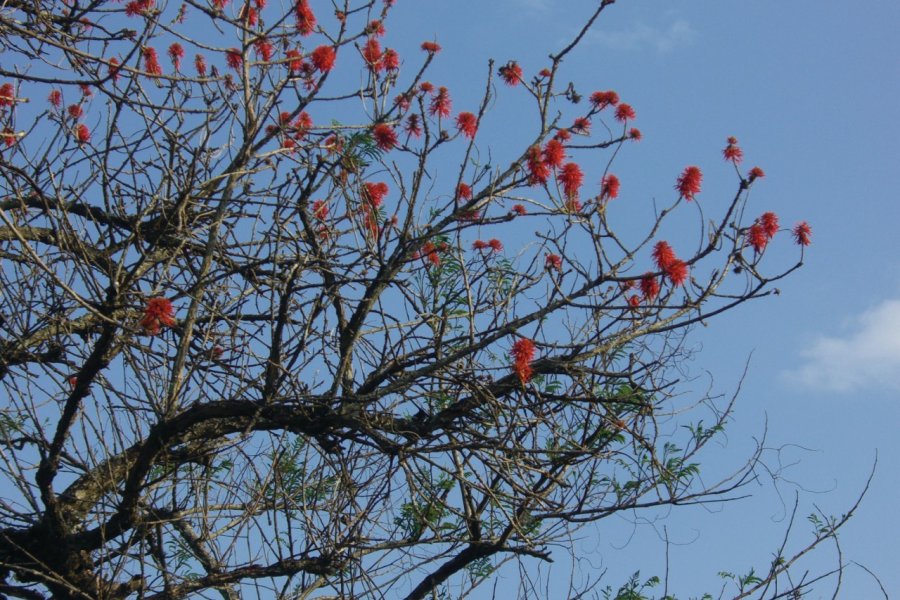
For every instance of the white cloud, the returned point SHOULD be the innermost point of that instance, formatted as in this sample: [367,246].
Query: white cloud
[866,357]
[639,35]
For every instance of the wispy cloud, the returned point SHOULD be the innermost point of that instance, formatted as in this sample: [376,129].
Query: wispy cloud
[866,357]
[641,35]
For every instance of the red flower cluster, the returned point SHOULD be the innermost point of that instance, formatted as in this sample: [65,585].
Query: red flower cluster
[624,112]
[522,354]
[538,169]
[755,173]
[431,253]
[441,103]
[511,73]
[390,60]
[374,193]
[609,187]
[176,53]
[769,222]
[151,61]
[55,98]
[554,153]
[673,267]
[649,286]
[493,244]
[582,125]
[688,183]
[158,313]
[553,261]
[635,134]
[467,123]
[82,134]
[138,7]
[385,136]
[431,47]
[372,54]
[802,233]
[200,65]
[323,58]
[8,135]
[320,209]
[571,178]
[601,100]
[264,49]
[519,209]
[732,151]
[756,237]
[413,125]
[75,111]
[463,192]
[234,59]
[306,20]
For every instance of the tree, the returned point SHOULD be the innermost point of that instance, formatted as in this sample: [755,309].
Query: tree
[272,324]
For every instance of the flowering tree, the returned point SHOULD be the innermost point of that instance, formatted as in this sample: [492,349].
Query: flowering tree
[271,326]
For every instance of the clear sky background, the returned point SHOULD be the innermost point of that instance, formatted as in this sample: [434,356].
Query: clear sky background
[811,88]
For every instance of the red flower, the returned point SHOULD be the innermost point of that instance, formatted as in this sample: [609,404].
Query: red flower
[320,210]
[82,134]
[264,49]
[756,237]
[634,301]
[306,20]
[601,100]
[553,261]
[802,233]
[249,14]
[511,73]
[429,252]
[563,135]
[663,255]
[390,60]
[374,193]
[554,153]
[463,192]
[649,286]
[138,7]
[295,60]
[157,314]
[426,87]
[113,68]
[677,271]
[538,170]
[7,94]
[732,152]
[755,173]
[151,61]
[581,125]
[431,47]
[234,59]
[479,245]
[375,28]
[385,136]
[519,209]
[609,187]
[467,123]
[55,98]
[413,125]
[372,54]
[8,135]
[75,111]
[495,244]
[769,222]
[688,183]
[200,65]
[570,177]
[176,53]
[635,134]
[624,112]
[440,104]
[544,73]
[522,354]
[220,4]
[323,58]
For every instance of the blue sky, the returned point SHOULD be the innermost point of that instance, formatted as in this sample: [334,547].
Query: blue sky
[812,91]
